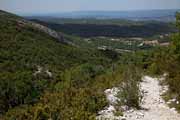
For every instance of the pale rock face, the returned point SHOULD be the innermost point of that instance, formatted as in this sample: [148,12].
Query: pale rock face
[125,108]
[41,70]
[108,112]
[48,73]
[111,95]
[52,33]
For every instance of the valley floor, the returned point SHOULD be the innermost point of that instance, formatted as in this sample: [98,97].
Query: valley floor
[153,106]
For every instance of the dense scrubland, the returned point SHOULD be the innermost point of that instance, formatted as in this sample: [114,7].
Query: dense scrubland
[125,29]
[42,78]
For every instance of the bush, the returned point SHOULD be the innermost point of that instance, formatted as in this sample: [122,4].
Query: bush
[130,94]
[74,104]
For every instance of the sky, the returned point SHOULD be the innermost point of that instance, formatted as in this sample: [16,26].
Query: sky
[57,6]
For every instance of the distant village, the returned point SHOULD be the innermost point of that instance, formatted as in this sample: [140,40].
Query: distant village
[161,40]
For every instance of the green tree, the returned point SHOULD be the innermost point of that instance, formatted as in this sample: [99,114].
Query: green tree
[178,20]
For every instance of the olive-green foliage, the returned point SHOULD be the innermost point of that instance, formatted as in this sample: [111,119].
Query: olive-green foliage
[77,95]
[159,61]
[72,104]
[76,88]
[178,20]
[110,29]
[130,94]
[24,48]
[167,61]
[75,91]
[82,76]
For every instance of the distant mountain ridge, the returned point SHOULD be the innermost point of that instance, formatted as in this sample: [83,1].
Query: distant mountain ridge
[47,30]
[160,15]
[21,22]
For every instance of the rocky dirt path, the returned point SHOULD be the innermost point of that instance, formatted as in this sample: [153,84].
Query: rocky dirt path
[153,106]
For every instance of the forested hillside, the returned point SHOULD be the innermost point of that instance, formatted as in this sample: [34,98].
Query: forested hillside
[40,76]
[110,28]
[43,78]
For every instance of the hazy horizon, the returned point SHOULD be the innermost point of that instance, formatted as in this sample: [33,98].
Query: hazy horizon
[55,6]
